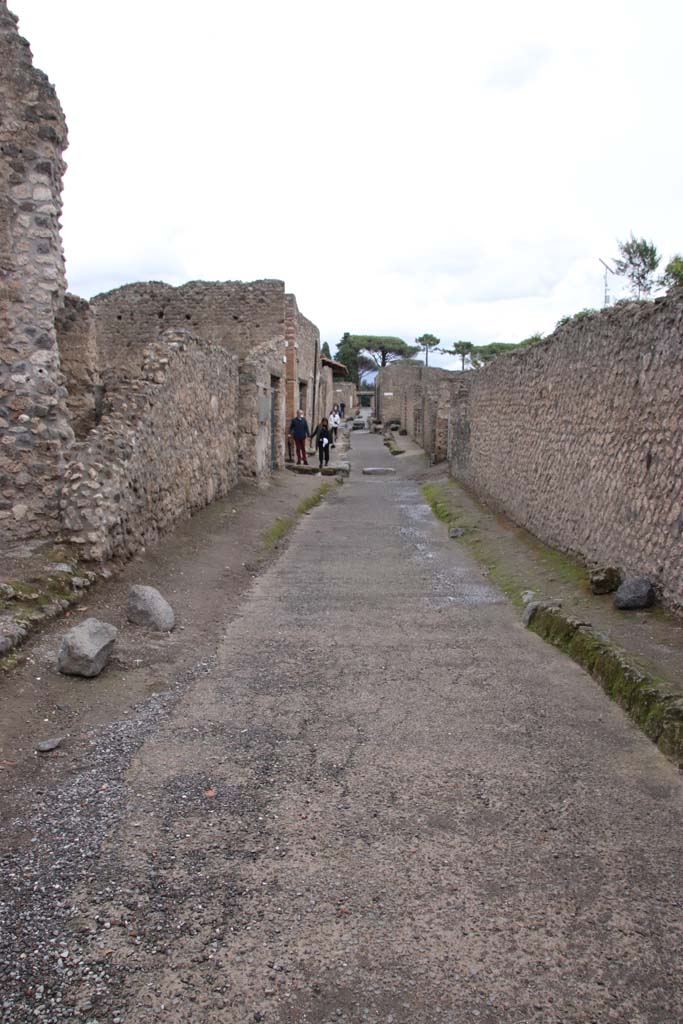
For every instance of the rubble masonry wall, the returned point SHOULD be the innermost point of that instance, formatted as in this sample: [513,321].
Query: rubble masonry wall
[166,446]
[80,362]
[34,424]
[580,439]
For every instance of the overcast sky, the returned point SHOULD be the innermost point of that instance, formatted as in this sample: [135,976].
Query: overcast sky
[443,167]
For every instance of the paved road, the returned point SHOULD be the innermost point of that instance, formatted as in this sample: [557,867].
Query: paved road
[385,801]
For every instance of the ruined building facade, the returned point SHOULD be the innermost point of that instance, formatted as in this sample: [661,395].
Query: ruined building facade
[121,415]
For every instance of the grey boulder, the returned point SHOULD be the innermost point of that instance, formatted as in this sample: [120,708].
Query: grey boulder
[146,607]
[636,593]
[86,648]
[45,746]
[378,471]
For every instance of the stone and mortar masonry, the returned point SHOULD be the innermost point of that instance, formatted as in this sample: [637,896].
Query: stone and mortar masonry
[80,363]
[303,364]
[166,447]
[392,382]
[244,318]
[419,398]
[34,424]
[580,439]
[173,393]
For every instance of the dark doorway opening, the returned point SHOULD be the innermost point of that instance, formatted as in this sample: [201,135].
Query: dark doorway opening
[274,384]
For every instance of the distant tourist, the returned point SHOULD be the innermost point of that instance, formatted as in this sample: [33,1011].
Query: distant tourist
[298,429]
[335,421]
[322,435]
[342,409]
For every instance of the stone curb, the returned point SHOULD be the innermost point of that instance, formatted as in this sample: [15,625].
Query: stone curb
[390,443]
[46,597]
[643,697]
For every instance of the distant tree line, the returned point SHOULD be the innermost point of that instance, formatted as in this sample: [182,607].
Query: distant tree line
[364,354]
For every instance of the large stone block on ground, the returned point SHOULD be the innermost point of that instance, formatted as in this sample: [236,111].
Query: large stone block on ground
[146,607]
[635,593]
[86,648]
[604,580]
[339,469]
[378,471]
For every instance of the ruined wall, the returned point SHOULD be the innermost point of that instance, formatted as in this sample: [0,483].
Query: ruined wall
[166,446]
[435,396]
[325,391]
[34,425]
[303,363]
[419,398]
[245,318]
[342,391]
[580,439]
[173,392]
[391,384]
[242,316]
[80,363]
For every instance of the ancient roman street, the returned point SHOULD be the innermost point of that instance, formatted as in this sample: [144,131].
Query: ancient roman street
[374,797]
[341,662]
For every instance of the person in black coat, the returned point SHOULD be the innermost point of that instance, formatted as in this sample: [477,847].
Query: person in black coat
[298,429]
[323,437]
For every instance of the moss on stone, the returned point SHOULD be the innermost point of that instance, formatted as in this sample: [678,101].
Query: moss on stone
[671,737]
[644,697]
[11,661]
[25,591]
[552,625]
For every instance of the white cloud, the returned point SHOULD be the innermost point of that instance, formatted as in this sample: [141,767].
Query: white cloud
[449,168]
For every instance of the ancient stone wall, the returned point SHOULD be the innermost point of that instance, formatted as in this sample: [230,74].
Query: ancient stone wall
[80,363]
[242,316]
[34,426]
[303,363]
[166,446]
[342,391]
[325,391]
[173,392]
[247,319]
[419,398]
[391,384]
[434,406]
[580,439]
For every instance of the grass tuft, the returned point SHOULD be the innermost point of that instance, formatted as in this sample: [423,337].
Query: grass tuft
[285,524]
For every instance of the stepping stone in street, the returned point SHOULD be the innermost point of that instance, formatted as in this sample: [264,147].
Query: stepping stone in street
[378,471]
[302,468]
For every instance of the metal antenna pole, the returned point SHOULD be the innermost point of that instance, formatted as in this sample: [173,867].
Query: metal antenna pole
[607,269]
